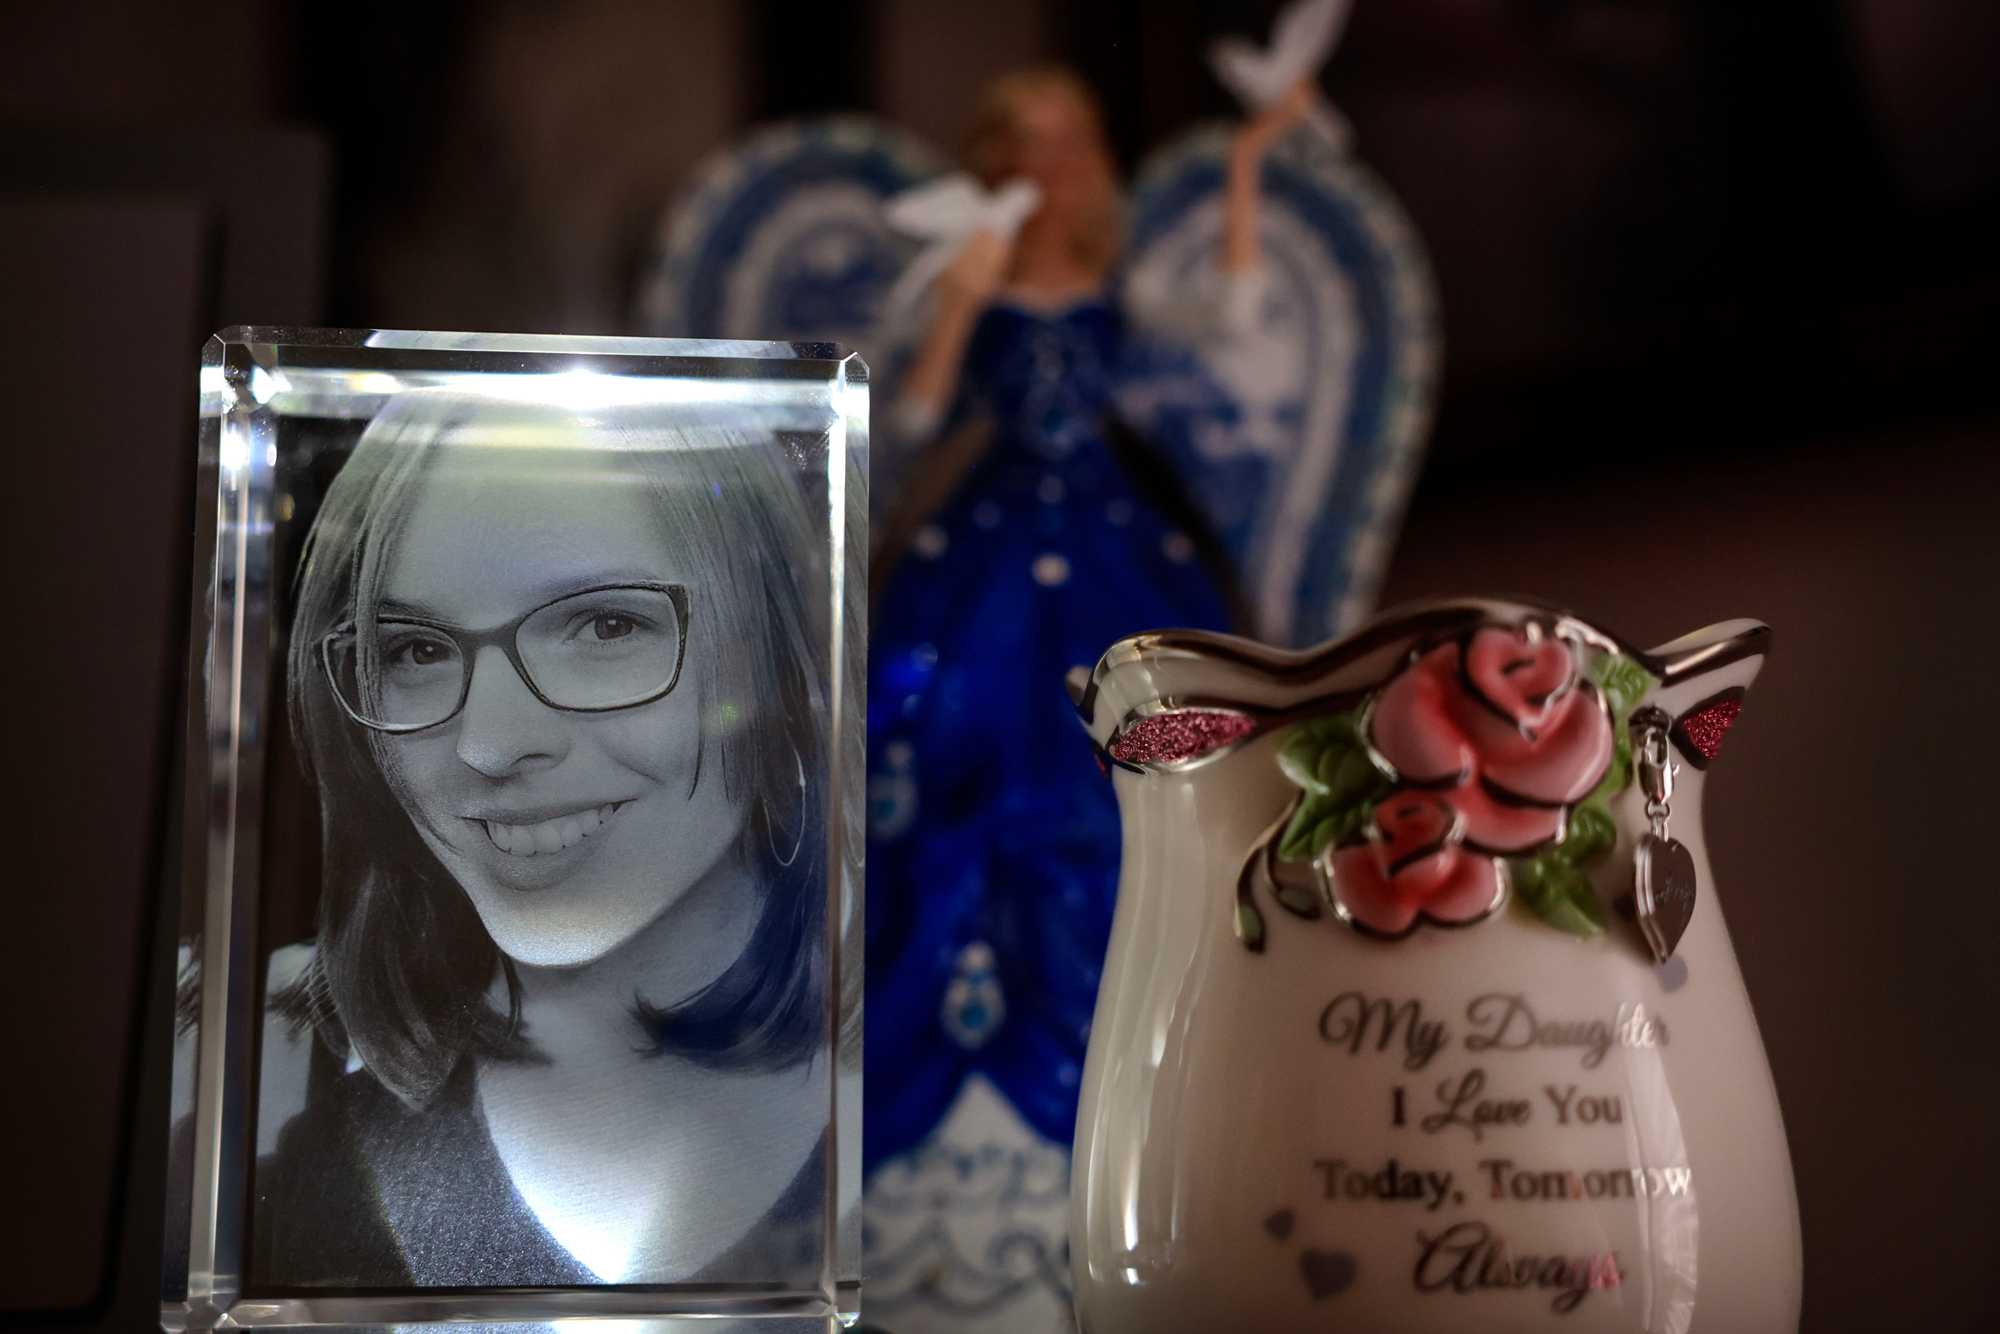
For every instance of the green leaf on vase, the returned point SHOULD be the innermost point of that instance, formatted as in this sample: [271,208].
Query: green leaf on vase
[1618,773]
[1337,729]
[1299,759]
[1296,844]
[1590,833]
[1623,681]
[1325,758]
[1559,894]
[1354,777]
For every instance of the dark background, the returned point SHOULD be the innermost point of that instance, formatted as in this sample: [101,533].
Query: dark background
[1718,282]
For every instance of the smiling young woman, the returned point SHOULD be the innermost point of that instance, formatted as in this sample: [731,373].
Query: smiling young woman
[560,697]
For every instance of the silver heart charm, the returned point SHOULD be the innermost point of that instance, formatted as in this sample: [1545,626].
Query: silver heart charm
[1663,884]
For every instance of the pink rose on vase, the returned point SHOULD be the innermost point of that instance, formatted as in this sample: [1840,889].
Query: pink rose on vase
[1504,725]
[1490,740]
[1414,861]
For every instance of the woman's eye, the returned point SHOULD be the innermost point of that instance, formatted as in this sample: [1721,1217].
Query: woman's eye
[408,652]
[611,625]
[606,626]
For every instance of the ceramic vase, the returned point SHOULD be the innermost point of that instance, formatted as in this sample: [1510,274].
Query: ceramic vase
[1420,1013]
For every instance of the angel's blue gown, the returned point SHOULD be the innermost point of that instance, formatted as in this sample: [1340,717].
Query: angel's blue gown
[994,840]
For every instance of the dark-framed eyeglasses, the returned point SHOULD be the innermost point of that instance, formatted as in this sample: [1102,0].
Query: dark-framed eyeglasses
[612,647]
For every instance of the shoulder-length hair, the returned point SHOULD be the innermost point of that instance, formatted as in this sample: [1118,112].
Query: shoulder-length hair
[402,965]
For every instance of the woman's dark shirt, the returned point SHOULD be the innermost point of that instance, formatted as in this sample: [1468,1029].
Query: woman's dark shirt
[363,1192]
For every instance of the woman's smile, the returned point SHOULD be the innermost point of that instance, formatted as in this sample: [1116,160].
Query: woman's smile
[575,846]
[531,833]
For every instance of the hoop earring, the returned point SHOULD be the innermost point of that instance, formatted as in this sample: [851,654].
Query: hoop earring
[799,841]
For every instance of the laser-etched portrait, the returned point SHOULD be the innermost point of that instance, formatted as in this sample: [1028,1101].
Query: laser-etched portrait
[545,995]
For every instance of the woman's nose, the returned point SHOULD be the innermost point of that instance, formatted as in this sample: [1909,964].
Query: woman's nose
[503,728]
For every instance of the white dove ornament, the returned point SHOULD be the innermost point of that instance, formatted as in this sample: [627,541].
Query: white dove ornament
[1302,40]
[946,212]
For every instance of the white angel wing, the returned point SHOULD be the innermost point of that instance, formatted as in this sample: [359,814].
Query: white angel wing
[782,236]
[1297,428]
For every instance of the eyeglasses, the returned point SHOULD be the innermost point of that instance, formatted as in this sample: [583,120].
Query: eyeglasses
[613,647]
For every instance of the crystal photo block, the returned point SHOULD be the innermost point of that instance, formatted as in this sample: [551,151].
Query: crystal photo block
[520,953]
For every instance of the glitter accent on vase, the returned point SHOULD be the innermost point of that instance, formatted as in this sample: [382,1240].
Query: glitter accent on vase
[1700,730]
[1168,738]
